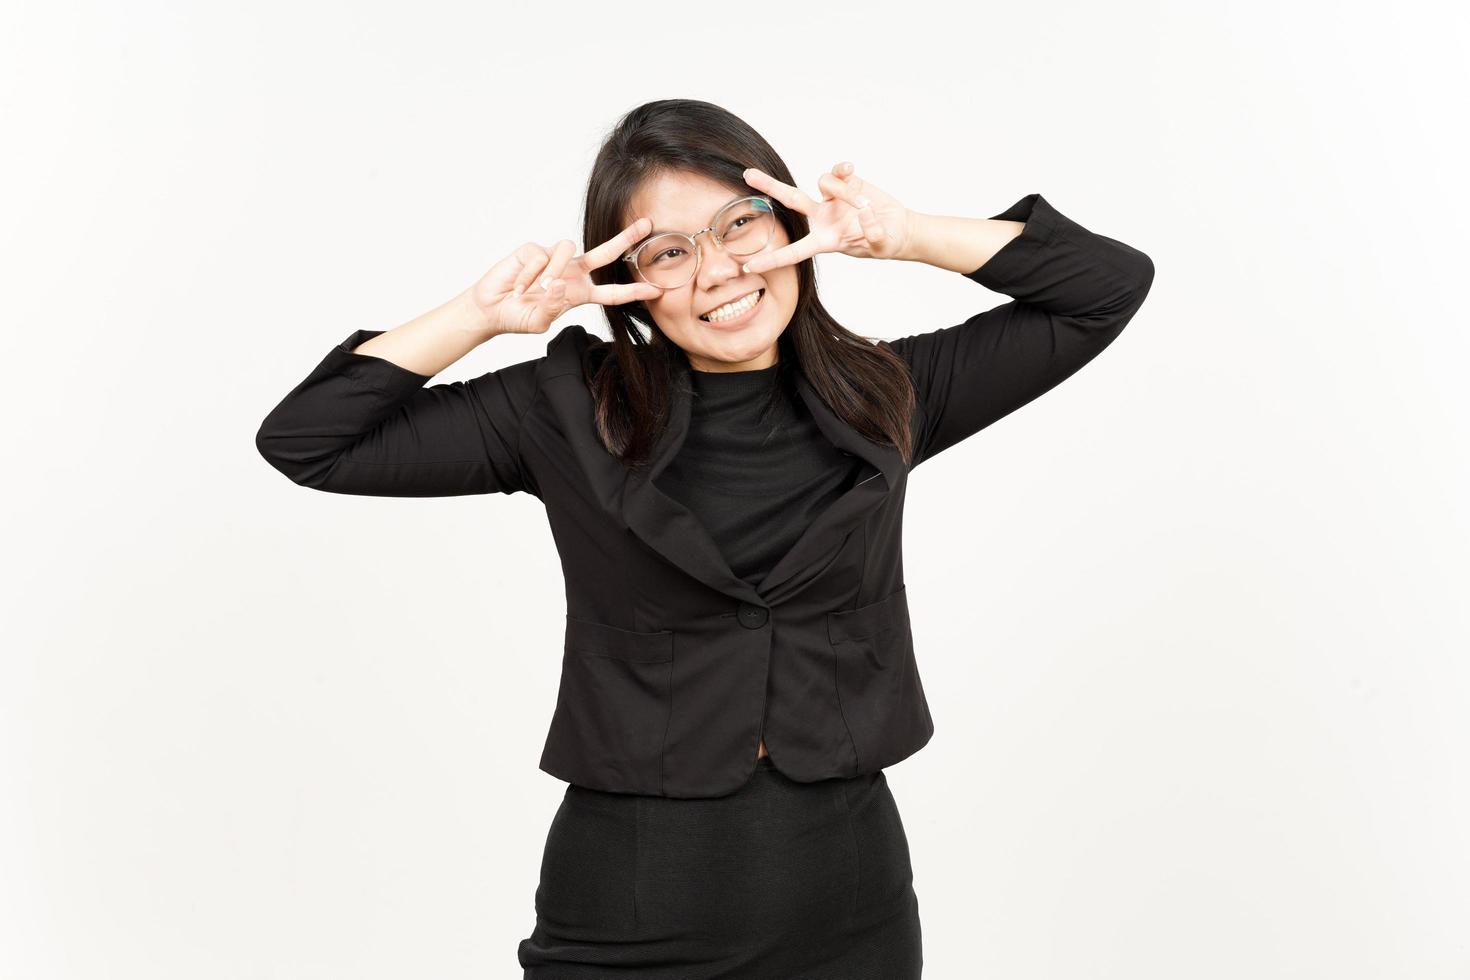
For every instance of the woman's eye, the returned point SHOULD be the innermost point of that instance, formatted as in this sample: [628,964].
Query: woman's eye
[665,253]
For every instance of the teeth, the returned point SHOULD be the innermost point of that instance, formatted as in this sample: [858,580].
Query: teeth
[733,309]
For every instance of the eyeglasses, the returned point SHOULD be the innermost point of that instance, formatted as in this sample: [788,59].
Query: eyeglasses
[671,259]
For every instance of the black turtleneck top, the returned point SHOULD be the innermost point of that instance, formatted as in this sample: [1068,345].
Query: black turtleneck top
[754,467]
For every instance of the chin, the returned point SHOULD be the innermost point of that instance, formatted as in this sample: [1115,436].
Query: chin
[739,345]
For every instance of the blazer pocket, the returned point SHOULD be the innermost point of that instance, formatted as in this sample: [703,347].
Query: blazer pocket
[613,707]
[601,640]
[877,679]
[851,625]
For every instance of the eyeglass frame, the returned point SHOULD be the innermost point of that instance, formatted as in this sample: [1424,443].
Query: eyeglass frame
[632,257]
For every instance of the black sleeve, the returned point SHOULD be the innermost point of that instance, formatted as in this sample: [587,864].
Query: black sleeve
[1073,292]
[361,424]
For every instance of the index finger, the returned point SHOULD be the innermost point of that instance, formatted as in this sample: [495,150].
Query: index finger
[793,197]
[615,246]
[797,251]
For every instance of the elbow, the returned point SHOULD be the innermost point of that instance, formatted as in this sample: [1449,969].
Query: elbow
[303,458]
[270,450]
[265,442]
[1134,281]
[1127,288]
[273,448]
[1143,279]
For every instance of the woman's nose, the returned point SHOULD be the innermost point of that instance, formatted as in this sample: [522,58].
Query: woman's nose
[716,261]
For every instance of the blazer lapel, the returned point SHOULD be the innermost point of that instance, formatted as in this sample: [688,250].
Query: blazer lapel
[675,532]
[880,477]
[666,525]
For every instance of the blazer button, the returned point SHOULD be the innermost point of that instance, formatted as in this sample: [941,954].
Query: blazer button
[751,616]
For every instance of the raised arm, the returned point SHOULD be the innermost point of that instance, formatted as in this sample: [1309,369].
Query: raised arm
[1073,292]
[363,422]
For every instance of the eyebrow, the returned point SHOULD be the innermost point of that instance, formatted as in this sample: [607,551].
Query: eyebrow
[669,231]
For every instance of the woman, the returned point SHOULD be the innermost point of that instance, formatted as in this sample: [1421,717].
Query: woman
[747,448]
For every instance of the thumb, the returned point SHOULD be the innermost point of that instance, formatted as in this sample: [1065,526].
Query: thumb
[872,227]
[554,304]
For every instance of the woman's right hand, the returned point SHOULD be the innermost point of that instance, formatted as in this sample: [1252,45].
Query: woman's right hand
[529,288]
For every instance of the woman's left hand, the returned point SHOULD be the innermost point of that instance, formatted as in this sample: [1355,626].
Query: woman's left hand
[854,217]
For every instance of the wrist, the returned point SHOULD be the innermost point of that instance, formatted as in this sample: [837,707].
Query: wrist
[470,317]
[914,248]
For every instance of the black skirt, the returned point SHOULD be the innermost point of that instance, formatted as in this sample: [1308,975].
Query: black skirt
[780,880]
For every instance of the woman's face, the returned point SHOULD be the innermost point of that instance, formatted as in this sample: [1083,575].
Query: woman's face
[687,202]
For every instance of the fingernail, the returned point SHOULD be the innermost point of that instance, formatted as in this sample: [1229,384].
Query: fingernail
[745,267]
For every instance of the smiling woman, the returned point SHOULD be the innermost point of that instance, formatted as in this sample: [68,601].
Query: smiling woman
[725,482]
[678,165]
[743,336]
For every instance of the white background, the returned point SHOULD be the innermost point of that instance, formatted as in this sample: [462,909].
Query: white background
[1193,625]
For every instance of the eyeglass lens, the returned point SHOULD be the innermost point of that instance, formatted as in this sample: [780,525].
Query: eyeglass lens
[744,227]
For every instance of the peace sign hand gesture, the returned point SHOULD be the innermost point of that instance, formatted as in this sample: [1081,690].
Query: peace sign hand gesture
[529,288]
[853,217]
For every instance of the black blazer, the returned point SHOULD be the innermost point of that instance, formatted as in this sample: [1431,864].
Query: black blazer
[673,668]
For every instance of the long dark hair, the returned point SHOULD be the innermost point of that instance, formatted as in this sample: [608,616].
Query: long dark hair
[866,385]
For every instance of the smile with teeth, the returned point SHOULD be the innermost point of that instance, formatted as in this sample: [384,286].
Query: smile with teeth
[732,310]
